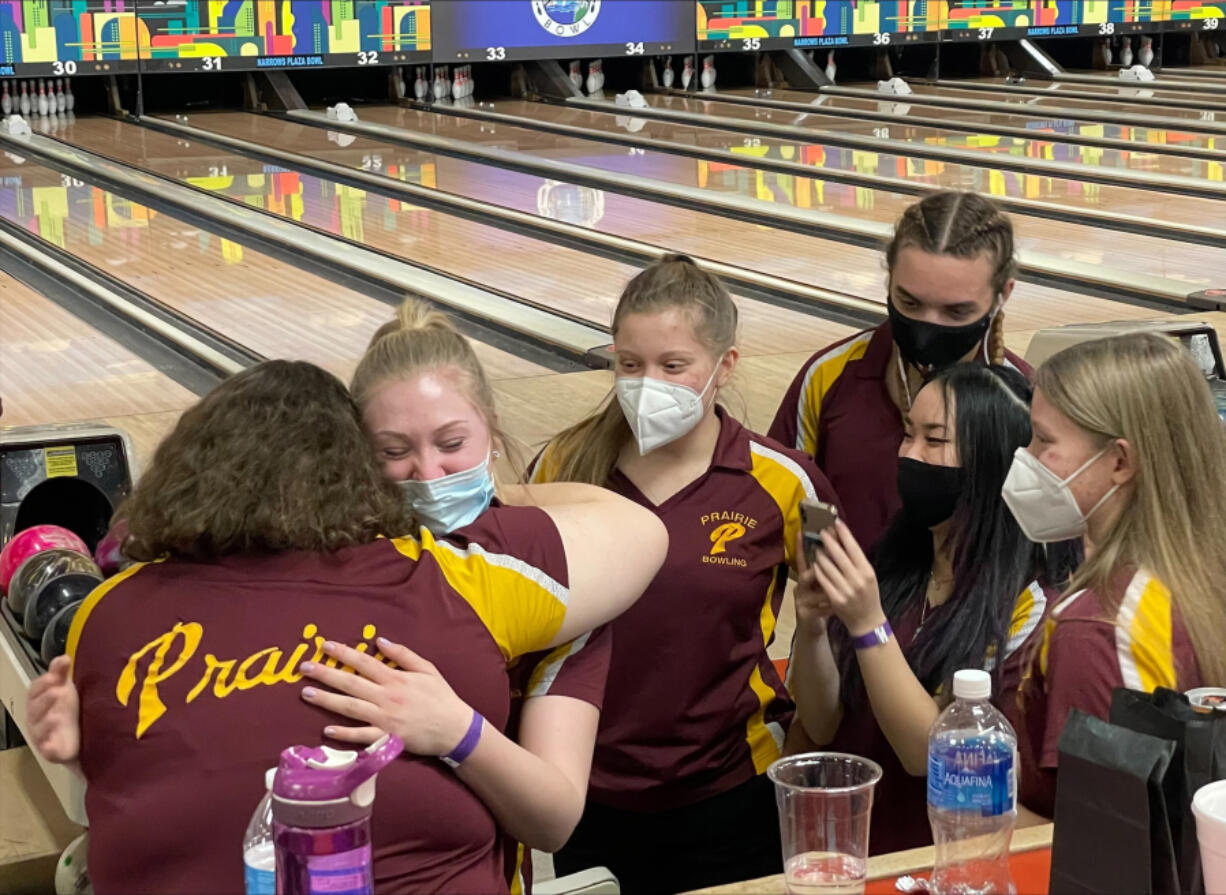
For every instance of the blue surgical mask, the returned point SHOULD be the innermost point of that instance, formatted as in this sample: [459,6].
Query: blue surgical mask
[451,502]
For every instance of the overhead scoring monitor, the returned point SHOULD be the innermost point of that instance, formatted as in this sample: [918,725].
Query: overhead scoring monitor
[752,25]
[63,38]
[237,35]
[498,30]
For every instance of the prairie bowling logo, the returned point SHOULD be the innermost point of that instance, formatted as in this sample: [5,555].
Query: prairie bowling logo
[729,531]
[566,18]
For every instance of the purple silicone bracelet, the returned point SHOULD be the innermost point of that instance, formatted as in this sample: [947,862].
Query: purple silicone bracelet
[466,746]
[876,637]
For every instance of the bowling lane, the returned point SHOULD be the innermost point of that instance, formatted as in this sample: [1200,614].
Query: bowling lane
[55,368]
[807,259]
[826,108]
[267,305]
[889,137]
[1117,90]
[538,270]
[1068,104]
[1123,251]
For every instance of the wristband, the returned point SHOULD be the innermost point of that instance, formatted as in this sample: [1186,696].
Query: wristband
[465,747]
[876,637]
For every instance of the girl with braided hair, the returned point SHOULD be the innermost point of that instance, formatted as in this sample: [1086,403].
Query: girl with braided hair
[951,270]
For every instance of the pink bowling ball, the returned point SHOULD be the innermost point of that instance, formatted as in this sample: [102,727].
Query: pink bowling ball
[108,554]
[30,541]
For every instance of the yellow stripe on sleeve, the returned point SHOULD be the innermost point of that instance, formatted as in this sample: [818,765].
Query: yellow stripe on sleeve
[1143,637]
[545,469]
[91,601]
[517,881]
[786,483]
[765,740]
[823,372]
[546,671]
[521,606]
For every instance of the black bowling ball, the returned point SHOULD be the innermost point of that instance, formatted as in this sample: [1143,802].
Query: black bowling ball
[57,593]
[40,568]
[55,635]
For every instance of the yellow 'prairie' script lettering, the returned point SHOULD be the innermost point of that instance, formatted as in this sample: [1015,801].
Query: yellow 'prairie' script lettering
[152,707]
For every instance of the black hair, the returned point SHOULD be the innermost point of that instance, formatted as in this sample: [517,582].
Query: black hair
[992,560]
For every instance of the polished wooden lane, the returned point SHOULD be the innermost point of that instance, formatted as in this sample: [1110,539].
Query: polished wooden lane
[568,280]
[849,269]
[893,155]
[271,307]
[826,109]
[1190,264]
[1111,88]
[1179,115]
[55,368]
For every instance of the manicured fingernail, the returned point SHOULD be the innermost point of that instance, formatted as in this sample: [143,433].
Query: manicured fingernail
[329,645]
[309,693]
[383,641]
[329,731]
[306,667]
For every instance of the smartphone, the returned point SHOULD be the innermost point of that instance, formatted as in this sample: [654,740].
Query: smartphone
[815,517]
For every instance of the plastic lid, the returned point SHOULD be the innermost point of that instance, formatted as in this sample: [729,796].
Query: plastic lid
[972,683]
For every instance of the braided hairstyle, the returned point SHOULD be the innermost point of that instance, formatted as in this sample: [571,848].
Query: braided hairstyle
[965,225]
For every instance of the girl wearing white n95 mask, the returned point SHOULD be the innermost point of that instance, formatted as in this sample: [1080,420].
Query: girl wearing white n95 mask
[1127,452]
[694,710]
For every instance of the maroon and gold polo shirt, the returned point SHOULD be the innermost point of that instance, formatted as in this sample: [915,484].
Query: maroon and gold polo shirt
[578,670]
[1088,650]
[694,705]
[839,412]
[900,800]
[189,690]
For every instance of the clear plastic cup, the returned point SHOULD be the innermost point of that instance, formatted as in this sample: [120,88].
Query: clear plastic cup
[825,803]
[1209,807]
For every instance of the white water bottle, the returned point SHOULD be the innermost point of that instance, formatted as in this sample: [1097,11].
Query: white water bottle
[259,853]
[972,791]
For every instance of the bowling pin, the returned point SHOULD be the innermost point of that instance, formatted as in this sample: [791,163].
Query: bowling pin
[595,76]
[576,74]
[70,100]
[457,84]
[6,101]
[669,74]
[1146,55]
[1106,51]
[24,102]
[708,73]
[61,102]
[442,84]
[420,88]
[43,107]
[831,68]
[687,73]
[1126,53]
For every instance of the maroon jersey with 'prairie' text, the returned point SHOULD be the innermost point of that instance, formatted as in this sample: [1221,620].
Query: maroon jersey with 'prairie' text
[189,690]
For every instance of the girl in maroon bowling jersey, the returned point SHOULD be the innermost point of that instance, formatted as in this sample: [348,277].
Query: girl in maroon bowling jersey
[955,584]
[429,408]
[1127,453]
[694,711]
[950,273]
[266,511]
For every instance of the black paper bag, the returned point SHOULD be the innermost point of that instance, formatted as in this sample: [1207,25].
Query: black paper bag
[1200,758]
[1112,836]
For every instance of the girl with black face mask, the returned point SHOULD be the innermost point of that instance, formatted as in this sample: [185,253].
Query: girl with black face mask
[950,270]
[955,584]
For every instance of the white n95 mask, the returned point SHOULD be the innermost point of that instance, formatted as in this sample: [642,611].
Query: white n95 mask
[659,412]
[1042,503]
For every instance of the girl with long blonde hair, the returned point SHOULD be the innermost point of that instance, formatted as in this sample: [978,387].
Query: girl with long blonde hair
[1129,453]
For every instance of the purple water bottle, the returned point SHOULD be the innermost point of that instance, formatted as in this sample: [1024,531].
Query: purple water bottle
[321,805]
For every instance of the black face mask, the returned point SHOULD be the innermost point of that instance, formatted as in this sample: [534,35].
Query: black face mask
[932,346]
[929,493]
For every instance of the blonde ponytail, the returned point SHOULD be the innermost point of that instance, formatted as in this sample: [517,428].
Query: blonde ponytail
[996,339]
